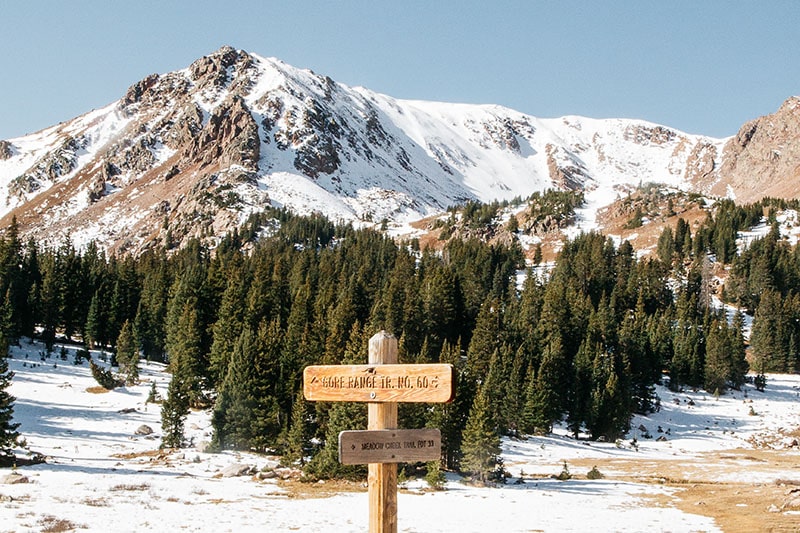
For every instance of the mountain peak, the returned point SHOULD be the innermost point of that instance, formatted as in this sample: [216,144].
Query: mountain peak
[195,151]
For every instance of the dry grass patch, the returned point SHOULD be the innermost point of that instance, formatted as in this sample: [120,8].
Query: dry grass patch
[52,524]
[306,490]
[704,486]
[160,454]
[130,487]
[95,502]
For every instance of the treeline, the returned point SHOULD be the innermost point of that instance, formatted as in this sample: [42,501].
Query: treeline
[583,343]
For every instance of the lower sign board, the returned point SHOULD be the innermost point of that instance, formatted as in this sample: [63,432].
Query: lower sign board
[379,383]
[389,446]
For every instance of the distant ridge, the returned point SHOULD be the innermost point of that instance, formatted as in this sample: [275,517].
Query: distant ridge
[194,152]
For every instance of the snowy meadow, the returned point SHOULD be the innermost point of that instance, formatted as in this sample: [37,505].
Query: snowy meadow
[700,463]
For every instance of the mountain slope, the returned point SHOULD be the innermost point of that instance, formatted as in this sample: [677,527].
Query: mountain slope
[194,152]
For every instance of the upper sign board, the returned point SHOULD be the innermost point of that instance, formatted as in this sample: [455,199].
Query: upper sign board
[379,383]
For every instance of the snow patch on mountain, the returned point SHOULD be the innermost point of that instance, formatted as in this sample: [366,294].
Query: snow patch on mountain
[291,137]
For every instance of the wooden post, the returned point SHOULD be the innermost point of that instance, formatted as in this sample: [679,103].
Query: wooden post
[382,479]
[382,384]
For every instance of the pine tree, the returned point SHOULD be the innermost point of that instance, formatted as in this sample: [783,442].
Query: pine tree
[481,444]
[8,429]
[128,353]
[610,411]
[95,334]
[580,399]
[175,407]
[298,435]
[234,411]
[768,324]
[450,418]
[716,368]
[228,327]
[485,339]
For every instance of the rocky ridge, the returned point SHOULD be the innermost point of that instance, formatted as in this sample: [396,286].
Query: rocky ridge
[192,153]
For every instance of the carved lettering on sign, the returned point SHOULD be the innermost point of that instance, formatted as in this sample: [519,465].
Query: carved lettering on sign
[379,383]
[389,446]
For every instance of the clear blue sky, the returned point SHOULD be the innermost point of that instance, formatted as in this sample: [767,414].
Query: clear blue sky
[702,66]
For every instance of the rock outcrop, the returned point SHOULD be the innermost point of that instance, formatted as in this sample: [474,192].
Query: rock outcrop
[763,159]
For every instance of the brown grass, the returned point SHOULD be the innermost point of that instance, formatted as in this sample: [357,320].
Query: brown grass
[741,505]
[305,490]
[160,454]
[51,524]
[130,487]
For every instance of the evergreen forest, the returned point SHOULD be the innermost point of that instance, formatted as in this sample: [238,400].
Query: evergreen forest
[581,342]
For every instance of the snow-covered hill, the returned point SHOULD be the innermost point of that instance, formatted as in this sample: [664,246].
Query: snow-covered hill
[100,475]
[193,152]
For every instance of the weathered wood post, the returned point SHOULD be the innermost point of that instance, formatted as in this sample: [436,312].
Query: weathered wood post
[382,478]
[383,384]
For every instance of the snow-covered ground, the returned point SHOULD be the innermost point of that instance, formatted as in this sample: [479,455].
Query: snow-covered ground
[101,476]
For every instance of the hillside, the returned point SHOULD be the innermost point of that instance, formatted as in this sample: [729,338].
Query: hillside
[194,152]
[700,463]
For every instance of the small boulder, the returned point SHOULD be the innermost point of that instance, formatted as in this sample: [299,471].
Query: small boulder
[236,470]
[14,478]
[144,429]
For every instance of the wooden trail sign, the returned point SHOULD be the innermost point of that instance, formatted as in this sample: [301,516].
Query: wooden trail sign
[379,383]
[390,446]
[382,383]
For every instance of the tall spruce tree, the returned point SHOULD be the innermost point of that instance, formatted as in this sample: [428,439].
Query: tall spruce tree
[128,353]
[451,417]
[175,407]
[481,443]
[8,429]
[234,412]
[299,432]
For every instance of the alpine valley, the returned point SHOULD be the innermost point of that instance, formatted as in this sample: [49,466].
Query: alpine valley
[193,153]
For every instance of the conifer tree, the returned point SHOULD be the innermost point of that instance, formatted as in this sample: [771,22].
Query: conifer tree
[450,418]
[234,411]
[298,434]
[185,352]
[272,409]
[610,411]
[95,334]
[185,387]
[768,325]
[227,328]
[128,353]
[485,339]
[175,407]
[151,313]
[481,443]
[548,391]
[8,429]
[579,409]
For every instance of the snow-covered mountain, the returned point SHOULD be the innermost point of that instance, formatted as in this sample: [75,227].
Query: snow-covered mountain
[194,152]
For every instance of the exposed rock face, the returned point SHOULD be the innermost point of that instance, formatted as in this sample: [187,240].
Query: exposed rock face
[566,171]
[701,164]
[641,134]
[763,159]
[5,150]
[230,137]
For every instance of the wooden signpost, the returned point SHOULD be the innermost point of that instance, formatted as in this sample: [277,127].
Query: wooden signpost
[383,383]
